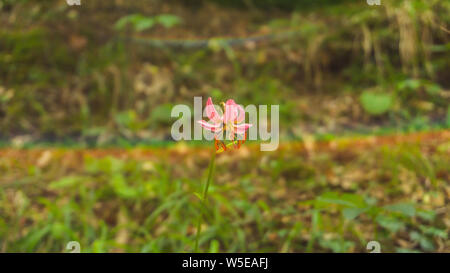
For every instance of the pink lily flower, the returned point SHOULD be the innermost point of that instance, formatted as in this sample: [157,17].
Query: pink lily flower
[231,121]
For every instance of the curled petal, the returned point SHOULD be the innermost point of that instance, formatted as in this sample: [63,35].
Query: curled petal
[241,128]
[240,113]
[231,111]
[211,112]
[216,127]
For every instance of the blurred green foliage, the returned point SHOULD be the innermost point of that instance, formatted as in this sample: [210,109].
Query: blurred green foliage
[280,4]
[146,204]
[75,80]
[141,23]
[376,103]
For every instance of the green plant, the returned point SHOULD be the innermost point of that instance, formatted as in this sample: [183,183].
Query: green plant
[140,22]
[376,103]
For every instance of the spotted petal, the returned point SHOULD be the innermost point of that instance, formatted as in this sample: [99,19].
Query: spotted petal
[241,128]
[241,113]
[211,112]
[231,111]
[213,127]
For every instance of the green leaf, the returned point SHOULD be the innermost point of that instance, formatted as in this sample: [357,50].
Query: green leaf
[199,196]
[405,250]
[137,21]
[144,23]
[337,245]
[168,20]
[352,213]
[121,23]
[376,103]
[432,89]
[348,200]
[426,215]
[35,236]
[263,205]
[426,244]
[214,247]
[371,201]
[121,188]
[411,84]
[65,182]
[58,230]
[390,223]
[434,232]
[129,19]
[403,208]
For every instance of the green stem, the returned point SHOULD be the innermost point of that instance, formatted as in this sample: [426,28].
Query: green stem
[205,195]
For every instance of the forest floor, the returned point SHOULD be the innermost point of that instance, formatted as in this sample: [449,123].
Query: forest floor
[330,196]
